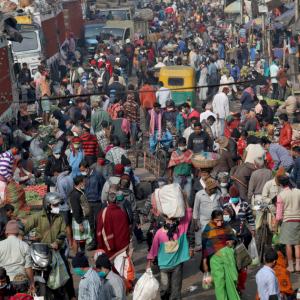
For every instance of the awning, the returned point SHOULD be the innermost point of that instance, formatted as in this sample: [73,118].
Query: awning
[289,13]
[292,5]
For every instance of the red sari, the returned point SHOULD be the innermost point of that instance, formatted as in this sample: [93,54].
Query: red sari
[233,124]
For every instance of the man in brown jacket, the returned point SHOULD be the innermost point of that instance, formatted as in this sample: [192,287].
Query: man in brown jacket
[147,97]
[289,106]
[282,81]
[240,176]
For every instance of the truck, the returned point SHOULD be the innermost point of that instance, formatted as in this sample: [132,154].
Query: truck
[73,19]
[123,30]
[8,88]
[41,39]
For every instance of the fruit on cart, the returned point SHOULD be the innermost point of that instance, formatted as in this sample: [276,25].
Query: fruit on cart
[40,189]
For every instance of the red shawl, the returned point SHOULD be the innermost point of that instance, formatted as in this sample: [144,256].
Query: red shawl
[113,233]
[176,159]
[250,91]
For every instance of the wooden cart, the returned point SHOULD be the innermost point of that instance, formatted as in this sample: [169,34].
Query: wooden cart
[145,166]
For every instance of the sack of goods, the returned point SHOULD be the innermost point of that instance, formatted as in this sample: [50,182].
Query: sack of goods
[146,14]
[171,47]
[146,287]
[169,201]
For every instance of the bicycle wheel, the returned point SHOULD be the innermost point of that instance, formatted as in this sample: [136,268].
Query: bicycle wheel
[161,155]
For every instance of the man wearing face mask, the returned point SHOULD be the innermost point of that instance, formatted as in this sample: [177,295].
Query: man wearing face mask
[266,280]
[206,201]
[49,224]
[188,131]
[90,286]
[62,142]
[112,285]
[232,146]
[180,167]
[70,125]
[207,126]
[170,115]
[75,155]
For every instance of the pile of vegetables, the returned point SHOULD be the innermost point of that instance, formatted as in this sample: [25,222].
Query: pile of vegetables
[39,189]
[39,181]
[276,101]
[32,196]
[258,133]
[245,71]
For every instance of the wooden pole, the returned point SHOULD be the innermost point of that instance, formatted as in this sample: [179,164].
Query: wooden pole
[241,11]
[284,41]
[296,10]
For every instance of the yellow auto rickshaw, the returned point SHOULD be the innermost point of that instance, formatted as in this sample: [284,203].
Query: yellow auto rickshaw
[181,81]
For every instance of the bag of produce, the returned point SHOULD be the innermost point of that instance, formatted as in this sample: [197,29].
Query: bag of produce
[169,201]
[146,287]
[207,281]
[146,14]
[253,253]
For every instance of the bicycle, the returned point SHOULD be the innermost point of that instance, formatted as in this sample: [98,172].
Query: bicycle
[161,154]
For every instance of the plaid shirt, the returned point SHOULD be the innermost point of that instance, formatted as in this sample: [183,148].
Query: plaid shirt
[21,297]
[90,286]
[90,144]
[114,155]
[131,110]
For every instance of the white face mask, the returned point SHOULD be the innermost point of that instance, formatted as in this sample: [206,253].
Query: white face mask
[182,148]
[104,60]
[138,48]
[57,156]
[55,211]
[142,52]
[103,69]
[170,109]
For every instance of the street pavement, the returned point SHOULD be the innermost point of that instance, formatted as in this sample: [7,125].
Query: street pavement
[192,276]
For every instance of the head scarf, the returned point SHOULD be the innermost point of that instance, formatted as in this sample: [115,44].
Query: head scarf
[75,140]
[56,150]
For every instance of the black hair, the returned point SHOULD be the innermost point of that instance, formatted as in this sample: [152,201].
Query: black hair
[116,78]
[101,154]
[216,213]
[56,169]
[25,155]
[211,118]
[34,123]
[69,132]
[197,124]
[182,140]
[284,180]
[104,124]
[130,87]
[203,105]
[88,130]
[186,105]
[78,179]
[283,117]
[84,164]
[265,120]
[9,207]
[194,118]
[231,211]
[3,274]
[81,117]
[145,81]
[270,256]
[263,102]
[244,133]
[252,140]
[120,114]
[296,149]
[26,144]
[21,288]
[116,142]
[71,121]
[160,83]
[265,140]
[77,81]
[16,145]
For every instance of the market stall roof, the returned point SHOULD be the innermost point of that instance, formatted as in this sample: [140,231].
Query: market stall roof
[292,5]
[256,23]
[288,14]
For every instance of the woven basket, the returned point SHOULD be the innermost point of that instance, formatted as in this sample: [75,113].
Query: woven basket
[272,104]
[205,163]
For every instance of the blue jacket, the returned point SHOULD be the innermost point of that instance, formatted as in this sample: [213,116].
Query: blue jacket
[64,186]
[235,71]
[247,102]
[297,170]
[94,186]
[181,45]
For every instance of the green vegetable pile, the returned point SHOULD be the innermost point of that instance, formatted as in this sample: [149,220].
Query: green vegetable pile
[32,197]
[258,134]
[277,101]
[39,181]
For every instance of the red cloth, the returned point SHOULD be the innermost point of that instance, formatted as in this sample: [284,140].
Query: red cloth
[285,137]
[232,125]
[90,144]
[109,67]
[242,279]
[169,10]
[113,233]
[270,160]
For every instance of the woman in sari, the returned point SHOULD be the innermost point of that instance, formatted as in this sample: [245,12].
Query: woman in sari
[231,122]
[242,142]
[217,252]
[268,128]
[20,174]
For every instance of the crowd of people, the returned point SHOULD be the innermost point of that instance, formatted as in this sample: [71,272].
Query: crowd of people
[93,192]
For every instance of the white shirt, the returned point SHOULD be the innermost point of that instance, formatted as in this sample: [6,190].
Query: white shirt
[267,283]
[254,151]
[273,72]
[194,58]
[225,80]
[221,105]
[37,75]
[214,127]
[164,94]
[174,6]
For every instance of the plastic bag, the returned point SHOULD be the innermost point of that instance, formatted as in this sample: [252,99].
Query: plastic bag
[275,240]
[169,201]
[253,253]
[207,281]
[35,297]
[146,287]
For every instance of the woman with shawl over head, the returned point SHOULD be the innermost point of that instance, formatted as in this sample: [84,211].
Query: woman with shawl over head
[231,122]
[218,256]
[203,82]
[43,93]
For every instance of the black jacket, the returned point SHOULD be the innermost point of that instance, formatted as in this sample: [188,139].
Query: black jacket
[200,142]
[262,80]
[62,161]
[75,203]
[232,149]
[25,76]
[118,87]
[163,123]
[268,114]
[62,118]
[105,80]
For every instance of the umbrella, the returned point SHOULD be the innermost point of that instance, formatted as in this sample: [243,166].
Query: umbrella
[233,8]
[256,23]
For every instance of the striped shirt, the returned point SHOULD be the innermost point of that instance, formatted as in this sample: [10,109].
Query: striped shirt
[6,164]
[243,32]
[90,286]
[90,144]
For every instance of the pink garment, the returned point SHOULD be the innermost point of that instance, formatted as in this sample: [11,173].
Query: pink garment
[279,207]
[152,122]
[125,126]
[236,207]
[258,109]
[161,237]
[37,82]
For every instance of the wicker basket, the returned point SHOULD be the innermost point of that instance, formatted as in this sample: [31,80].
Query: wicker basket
[205,163]
[272,104]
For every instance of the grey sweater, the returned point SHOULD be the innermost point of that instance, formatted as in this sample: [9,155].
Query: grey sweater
[204,206]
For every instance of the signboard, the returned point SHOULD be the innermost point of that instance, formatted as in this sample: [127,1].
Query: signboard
[263,9]
[27,26]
